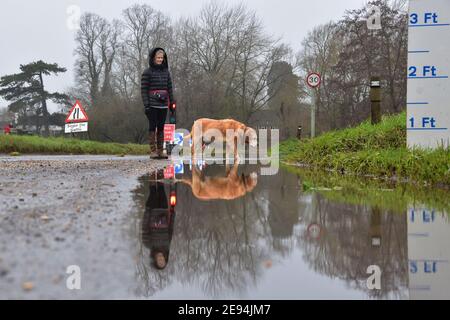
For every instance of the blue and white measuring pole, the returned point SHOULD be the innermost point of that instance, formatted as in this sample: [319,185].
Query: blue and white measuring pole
[428,97]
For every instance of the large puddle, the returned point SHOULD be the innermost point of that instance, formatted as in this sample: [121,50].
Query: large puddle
[230,233]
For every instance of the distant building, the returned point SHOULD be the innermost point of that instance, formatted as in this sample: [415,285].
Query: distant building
[286,120]
[265,119]
[269,120]
[31,129]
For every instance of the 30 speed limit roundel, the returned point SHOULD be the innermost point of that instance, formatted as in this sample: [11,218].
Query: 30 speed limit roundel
[313,80]
[314,231]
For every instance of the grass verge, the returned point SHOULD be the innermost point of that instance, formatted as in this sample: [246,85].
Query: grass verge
[35,144]
[376,150]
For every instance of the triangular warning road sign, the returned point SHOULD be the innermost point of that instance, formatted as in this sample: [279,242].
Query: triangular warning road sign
[77,114]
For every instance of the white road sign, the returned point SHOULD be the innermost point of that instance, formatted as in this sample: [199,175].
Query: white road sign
[76,127]
[428,119]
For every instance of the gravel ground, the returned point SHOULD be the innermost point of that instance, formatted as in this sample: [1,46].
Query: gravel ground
[57,211]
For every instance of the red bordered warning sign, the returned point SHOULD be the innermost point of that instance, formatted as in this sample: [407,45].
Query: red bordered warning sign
[313,79]
[77,114]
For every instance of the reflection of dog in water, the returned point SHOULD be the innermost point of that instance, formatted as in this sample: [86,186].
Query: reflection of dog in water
[230,187]
[208,131]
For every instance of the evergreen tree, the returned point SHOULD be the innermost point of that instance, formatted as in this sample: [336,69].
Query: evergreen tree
[26,89]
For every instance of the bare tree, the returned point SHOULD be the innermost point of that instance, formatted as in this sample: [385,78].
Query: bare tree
[109,43]
[220,61]
[232,57]
[145,28]
[89,63]
[347,54]
[320,54]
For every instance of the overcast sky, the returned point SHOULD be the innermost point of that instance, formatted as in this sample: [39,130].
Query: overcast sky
[32,30]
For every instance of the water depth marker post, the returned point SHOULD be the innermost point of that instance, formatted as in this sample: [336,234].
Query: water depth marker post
[428,97]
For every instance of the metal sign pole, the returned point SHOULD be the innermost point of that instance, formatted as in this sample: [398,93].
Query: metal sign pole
[313,113]
[313,80]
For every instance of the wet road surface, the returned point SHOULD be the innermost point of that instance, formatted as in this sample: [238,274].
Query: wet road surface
[223,233]
[57,211]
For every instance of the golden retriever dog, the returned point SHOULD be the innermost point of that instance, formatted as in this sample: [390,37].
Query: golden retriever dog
[230,187]
[207,131]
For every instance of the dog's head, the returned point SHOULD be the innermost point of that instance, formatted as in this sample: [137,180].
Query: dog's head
[251,137]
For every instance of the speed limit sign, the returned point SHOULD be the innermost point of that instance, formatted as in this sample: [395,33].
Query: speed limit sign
[314,231]
[313,80]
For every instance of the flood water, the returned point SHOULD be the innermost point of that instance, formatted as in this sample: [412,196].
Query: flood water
[232,233]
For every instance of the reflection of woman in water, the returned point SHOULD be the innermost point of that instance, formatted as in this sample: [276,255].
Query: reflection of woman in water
[157,225]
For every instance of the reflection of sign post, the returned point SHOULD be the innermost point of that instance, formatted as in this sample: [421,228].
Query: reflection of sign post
[314,231]
[375,226]
[313,80]
[77,119]
[169,172]
[179,167]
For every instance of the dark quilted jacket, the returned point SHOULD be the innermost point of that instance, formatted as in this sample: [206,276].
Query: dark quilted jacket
[156,77]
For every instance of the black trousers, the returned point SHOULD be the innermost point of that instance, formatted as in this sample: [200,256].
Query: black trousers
[156,118]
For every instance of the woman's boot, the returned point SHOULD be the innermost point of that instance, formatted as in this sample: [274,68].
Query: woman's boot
[152,145]
[160,145]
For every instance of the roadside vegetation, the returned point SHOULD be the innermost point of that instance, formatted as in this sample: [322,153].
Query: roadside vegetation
[16,145]
[375,192]
[371,150]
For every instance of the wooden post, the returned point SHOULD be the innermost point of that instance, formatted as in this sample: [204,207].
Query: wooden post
[375,99]
[299,132]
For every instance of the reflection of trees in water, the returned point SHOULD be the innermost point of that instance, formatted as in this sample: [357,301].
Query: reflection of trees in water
[345,249]
[216,245]
[231,240]
[284,212]
[221,246]
[151,281]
